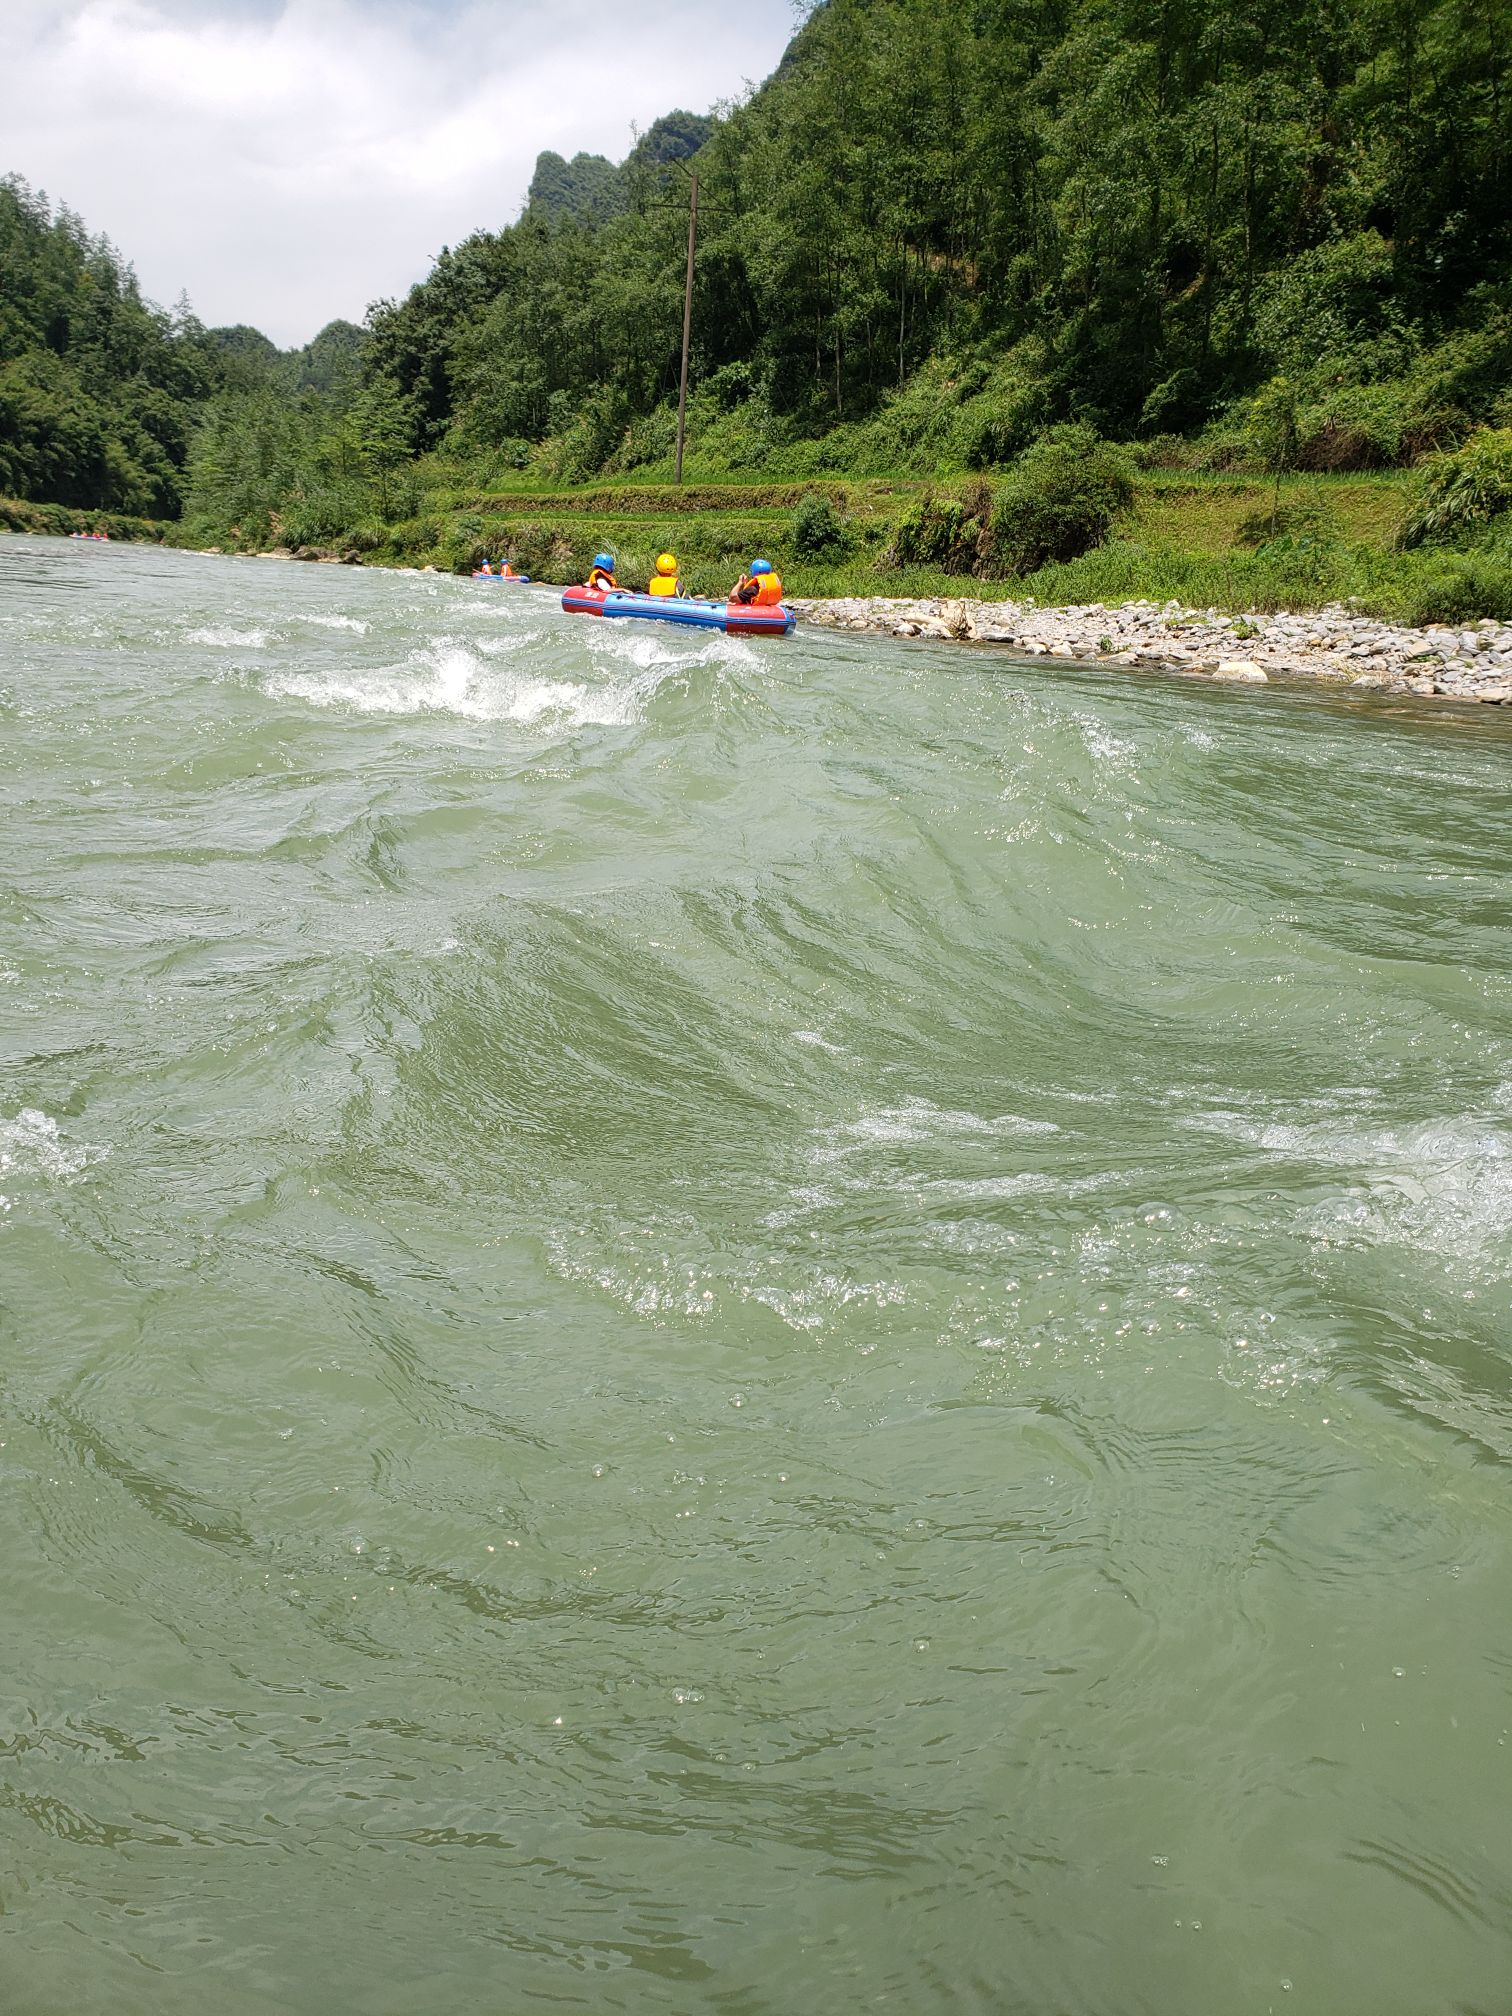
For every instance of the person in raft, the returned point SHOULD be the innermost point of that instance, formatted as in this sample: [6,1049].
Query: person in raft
[665,579]
[759,586]
[601,573]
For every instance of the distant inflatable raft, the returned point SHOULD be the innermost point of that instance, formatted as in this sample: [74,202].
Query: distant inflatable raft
[737,619]
[487,574]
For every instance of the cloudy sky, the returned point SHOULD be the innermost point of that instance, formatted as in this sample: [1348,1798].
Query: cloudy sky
[287,161]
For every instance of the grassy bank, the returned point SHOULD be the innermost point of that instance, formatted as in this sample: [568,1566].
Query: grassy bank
[1203,540]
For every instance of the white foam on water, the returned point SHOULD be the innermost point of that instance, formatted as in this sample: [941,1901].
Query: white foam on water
[920,1120]
[859,1156]
[803,1201]
[990,1188]
[1113,752]
[224,639]
[1441,1186]
[812,1303]
[32,1145]
[818,1042]
[652,648]
[353,623]
[506,644]
[449,677]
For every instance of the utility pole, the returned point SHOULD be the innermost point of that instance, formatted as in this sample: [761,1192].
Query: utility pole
[682,395]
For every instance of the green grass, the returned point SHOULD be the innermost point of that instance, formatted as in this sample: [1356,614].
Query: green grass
[1184,540]
[643,499]
[1203,514]
[1191,538]
[1441,587]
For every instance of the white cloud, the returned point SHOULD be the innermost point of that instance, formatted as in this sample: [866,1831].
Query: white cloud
[287,161]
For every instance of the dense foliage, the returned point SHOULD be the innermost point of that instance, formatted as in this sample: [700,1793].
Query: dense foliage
[102,394]
[587,187]
[928,237]
[1463,492]
[99,391]
[973,245]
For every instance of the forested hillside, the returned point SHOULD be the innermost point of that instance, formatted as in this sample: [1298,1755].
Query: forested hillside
[102,394]
[99,390]
[963,224]
[1232,235]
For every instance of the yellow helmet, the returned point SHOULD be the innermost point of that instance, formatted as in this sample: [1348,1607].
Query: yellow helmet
[666,563]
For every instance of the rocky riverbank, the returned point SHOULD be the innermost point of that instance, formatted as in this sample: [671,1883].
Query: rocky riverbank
[1469,663]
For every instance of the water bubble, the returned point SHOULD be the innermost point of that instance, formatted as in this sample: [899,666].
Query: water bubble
[686,1697]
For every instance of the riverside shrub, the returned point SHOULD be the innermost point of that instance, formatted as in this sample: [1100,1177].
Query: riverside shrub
[1058,501]
[819,532]
[944,532]
[1463,492]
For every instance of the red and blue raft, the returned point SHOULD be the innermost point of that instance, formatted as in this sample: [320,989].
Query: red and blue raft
[736,619]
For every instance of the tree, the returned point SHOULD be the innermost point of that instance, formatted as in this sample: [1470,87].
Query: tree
[384,425]
[1271,425]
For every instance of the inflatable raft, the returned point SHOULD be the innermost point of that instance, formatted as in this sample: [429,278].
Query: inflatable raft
[487,574]
[738,619]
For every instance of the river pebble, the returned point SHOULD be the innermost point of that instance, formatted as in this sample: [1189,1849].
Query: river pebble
[1332,644]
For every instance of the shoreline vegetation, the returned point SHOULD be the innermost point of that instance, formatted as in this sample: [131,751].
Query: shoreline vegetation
[1064,308]
[1345,646]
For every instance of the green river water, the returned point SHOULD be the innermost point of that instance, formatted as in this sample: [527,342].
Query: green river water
[780,1327]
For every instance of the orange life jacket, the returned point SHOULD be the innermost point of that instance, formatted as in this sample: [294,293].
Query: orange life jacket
[597,578]
[768,591]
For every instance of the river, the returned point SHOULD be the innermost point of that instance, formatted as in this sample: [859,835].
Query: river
[690,1324]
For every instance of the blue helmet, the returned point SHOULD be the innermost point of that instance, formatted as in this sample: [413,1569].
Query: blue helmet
[761,566]
[604,560]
